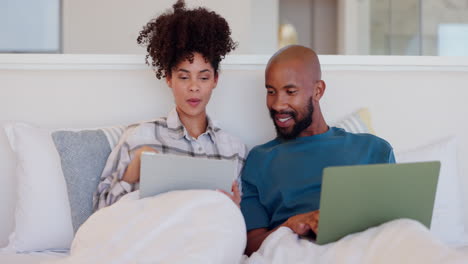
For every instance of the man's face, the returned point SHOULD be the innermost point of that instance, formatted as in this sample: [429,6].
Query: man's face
[289,98]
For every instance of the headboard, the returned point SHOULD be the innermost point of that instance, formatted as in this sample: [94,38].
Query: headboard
[412,101]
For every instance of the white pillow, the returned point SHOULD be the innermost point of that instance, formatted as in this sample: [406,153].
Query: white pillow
[53,182]
[42,216]
[447,219]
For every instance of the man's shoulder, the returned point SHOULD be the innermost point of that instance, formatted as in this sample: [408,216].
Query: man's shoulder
[258,152]
[367,139]
[266,147]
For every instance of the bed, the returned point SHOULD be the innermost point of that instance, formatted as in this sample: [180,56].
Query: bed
[417,104]
[29,258]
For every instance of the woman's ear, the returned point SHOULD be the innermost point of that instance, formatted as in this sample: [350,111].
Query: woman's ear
[169,80]
[216,75]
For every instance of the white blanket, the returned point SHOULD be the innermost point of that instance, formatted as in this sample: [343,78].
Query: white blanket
[399,241]
[206,227]
[176,227]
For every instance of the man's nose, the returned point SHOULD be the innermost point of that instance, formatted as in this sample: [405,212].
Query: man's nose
[279,104]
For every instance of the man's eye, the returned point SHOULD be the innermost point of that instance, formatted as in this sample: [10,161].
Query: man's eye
[291,91]
[204,78]
[183,77]
[270,92]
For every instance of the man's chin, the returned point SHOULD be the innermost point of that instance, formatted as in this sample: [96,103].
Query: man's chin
[284,133]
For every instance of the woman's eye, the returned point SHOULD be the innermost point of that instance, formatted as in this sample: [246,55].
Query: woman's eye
[183,77]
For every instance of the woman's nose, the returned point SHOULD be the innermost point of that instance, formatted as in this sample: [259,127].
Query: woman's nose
[194,87]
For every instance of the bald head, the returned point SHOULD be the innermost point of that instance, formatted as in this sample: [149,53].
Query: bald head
[305,57]
[294,89]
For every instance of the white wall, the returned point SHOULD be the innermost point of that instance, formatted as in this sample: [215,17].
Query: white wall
[112,26]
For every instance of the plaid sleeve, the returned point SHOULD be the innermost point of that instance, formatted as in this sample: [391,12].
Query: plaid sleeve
[111,187]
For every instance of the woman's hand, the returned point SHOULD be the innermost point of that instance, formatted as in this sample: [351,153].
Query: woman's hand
[235,196]
[132,173]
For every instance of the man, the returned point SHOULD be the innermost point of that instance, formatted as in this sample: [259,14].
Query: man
[282,178]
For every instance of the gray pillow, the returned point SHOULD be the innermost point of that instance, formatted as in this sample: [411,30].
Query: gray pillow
[83,155]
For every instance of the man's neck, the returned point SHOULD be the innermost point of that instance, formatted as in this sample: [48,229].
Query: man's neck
[318,126]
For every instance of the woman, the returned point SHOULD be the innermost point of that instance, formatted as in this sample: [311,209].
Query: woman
[185,47]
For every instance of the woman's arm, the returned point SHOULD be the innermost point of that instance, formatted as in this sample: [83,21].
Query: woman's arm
[132,173]
[236,195]
[112,186]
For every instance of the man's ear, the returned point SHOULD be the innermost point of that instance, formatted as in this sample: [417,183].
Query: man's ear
[320,87]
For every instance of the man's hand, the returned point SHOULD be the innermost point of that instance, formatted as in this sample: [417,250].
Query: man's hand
[235,196]
[132,173]
[302,224]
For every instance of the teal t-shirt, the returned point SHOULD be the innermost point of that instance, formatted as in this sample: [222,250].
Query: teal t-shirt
[283,178]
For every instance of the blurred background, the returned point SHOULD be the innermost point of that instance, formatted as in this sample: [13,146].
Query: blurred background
[346,27]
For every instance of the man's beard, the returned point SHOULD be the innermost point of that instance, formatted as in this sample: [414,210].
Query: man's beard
[299,126]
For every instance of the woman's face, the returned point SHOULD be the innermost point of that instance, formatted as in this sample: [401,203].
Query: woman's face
[192,84]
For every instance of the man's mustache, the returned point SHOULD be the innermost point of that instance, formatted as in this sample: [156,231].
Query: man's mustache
[274,112]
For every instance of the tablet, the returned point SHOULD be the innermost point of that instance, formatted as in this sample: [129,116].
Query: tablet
[160,173]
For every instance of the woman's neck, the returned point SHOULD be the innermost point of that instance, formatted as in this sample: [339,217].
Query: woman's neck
[195,125]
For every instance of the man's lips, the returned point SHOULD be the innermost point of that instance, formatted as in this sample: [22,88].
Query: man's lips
[194,101]
[283,120]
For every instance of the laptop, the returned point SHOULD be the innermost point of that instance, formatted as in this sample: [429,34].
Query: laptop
[160,173]
[354,198]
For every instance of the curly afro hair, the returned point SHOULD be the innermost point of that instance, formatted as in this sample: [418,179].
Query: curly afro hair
[176,34]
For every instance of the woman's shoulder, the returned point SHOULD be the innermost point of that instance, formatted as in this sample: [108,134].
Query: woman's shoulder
[225,136]
[145,127]
[227,139]
[160,121]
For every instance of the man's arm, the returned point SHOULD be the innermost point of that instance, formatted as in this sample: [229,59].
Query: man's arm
[255,239]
